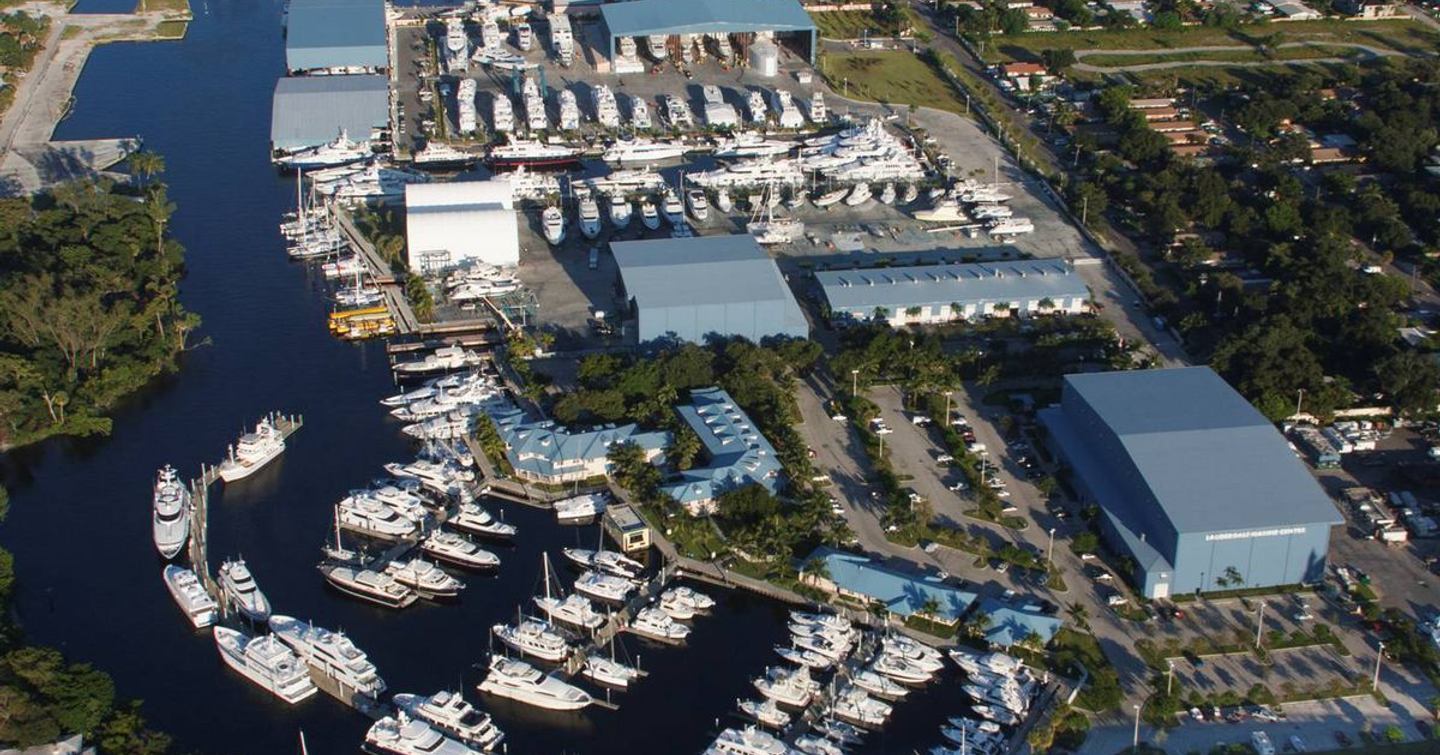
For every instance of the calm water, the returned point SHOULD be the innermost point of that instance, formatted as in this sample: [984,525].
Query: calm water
[79,526]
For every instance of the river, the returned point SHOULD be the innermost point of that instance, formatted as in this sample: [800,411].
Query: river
[79,524]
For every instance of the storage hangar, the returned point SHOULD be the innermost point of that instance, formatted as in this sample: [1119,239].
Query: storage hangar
[689,288]
[451,224]
[940,293]
[1195,487]
[343,36]
[312,110]
[643,18]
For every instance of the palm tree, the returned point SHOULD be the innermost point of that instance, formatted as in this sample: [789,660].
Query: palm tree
[1079,614]
[816,568]
[1046,304]
[931,607]
[146,165]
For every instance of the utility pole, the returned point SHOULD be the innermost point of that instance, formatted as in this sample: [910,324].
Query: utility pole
[1169,676]
[1259,624]
[1299,400]
[1135,745]
[1050,548]
[854,383]
[947,408]
[1084,209]
[1379,656]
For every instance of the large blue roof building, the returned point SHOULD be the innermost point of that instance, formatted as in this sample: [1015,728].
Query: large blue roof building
[903,594]
[1192,482]
[336,35]
[736,453]
[642,18]
[311,110]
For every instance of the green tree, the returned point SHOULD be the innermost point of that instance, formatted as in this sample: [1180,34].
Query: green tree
[1058,60]
[1410,380]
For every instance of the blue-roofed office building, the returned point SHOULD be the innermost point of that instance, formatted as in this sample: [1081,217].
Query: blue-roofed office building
[868,581]
[690,288]
[1011,624]
[924,294]
[547,453]
[339,36]
[643,18]
[311,110]
[1192,482]
[736,453]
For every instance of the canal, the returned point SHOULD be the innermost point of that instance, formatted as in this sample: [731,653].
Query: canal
[79,526]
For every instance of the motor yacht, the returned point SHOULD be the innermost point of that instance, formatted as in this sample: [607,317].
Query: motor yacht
[900,669]
[751,144]
[190,595]
[672,208]
[367,516]
[878,684]
[648,215]
[532,154]
[723,200]
[438,156]
[519,681]
[170,515]
[699,206]
[887,193]
[502,119]
[764,711]
[473,518]
[444,359]
[643,151]
[456,550]
[371,586]
[589,216]
[999,714]
[807,658]
[267,662]
[1010,226]
[813,745]
[655,45]
[604,587]
[787,686]
[535,638]
[910,194]
[253,451]
[402,735]
[453,425]
[609,562]
[858,195]
[835,651]
[639,114]
[426,579]
[755,106]
[607,112]
[839,731]
[974,661]
[856,706]
[831,197]
[552,220]
[524,36]
[747,741]
[620,211]
[341,151]
[699,600]
[917,653]
[760,171]
[238,586]
[655,624]
[330,653]
[449,712]
[439,476]
[626,181]
[609,671]
[944,211]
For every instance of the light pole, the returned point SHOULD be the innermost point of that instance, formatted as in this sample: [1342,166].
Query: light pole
[1299,400]
[1050,548]
[1135,745]
[1169,676]
[881,436]
[1379,656]
[854,382]
[1259,623]
[947,407]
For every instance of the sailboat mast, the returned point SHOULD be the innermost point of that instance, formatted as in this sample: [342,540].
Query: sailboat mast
[545,559]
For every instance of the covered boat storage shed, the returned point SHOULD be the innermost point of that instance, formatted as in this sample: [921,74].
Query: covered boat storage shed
[343,36]
[643,18]
[311,110]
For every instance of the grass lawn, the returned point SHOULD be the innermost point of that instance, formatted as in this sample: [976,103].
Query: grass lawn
[167,6]
[1226,56]
[1402,35]
[897,78]
[1219,77]
[849,24]
[171,29]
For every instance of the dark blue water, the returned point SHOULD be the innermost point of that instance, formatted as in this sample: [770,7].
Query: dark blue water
[79,526]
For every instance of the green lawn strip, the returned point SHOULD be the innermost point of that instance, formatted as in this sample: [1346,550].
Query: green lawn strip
[895,78]
[1227,56]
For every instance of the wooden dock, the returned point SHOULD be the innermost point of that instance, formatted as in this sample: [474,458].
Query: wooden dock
[390,287]
[199,546]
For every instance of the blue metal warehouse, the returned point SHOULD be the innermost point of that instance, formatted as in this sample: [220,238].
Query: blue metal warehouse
[311,110]
[940,293]
[346,35]
[642,18]
[689,288]
[1192,482]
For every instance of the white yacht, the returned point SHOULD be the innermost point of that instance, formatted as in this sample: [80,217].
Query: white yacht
[524,36]
[1011,227]
[747,741]
[944,211]
[858,195]
[426,579]
[648,215]
[457,45]
[574,610]
[676,608]
[807,658]
[341,151]
[818,113]
[476,290]
[677,113]
[627,181]
[699,600]
[839,731]
[910,194]
[755,106]
[699,206]
[580,508]
[991,211]
[367,516]
[655,45]
[519,681]
[190,595]
[887,193]
[838,623]
[604,587]
[589,216]
[831,197]
[402,735]
[609,562]
[502,114]
[372,586]
[607,112]
[534,637]
[439,476]
[858,707]
[627,48]
[918,653]
[330,653]
[473,518]
[569,110]
[444,359]
[900,669]
[552,220]
[655,624]
[450,713]
[532,154]
[996,713]
[822,646]
[267,662]
[170,518]
[723,200]
[878,684]
[643,151]
[238,586]
[639,113]
[766,712]
[790,687]
[672,208]
[254,450]
[811,744]
[456,550]
[453,425]
[754,172]
[751,144]
[979,194]
[619,211]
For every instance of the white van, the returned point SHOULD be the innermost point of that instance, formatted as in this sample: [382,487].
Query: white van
[1261,742]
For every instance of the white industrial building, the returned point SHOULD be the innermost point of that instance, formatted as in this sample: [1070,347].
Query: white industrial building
[452,224]
[926,294]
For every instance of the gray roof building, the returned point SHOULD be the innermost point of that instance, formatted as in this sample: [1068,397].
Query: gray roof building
[975,287]
[690,288]
[336,34]
[640,18]
[311,110]
[549,453]
[1191,480]
[737,454]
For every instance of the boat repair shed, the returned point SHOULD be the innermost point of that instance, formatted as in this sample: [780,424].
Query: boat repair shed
[456,223]
[643,18]
[311,110]
[346,36]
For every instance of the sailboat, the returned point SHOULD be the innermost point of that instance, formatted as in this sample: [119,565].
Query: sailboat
[766,228]
[609,671]
[574,609]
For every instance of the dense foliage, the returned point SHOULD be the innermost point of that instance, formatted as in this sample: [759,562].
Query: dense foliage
[44,698]
[1307,319]
[21,36]
[88,303]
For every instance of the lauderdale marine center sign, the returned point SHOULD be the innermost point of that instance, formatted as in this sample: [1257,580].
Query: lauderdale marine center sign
[1247,534]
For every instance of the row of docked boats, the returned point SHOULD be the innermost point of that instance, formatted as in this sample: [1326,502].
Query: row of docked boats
[971,202]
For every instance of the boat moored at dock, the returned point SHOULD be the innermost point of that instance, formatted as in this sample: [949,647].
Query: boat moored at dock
[191,596]
[519,681]
[330,653]
[456,550]
[402,735]
[379,588]
[267,662]
[238,586]
[170,515]
[253,451]
[449,712]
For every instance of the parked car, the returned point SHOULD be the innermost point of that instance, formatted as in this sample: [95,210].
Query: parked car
[958,486]
[944,459]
